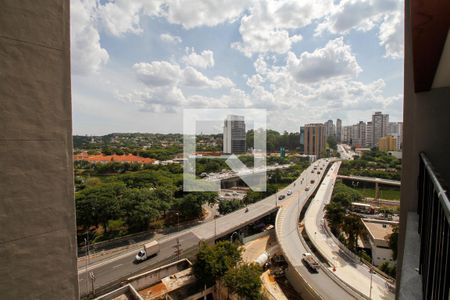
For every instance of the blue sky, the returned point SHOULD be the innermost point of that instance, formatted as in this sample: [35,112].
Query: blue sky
[137,64]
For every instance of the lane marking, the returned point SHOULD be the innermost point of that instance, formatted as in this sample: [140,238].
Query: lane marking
[115,267]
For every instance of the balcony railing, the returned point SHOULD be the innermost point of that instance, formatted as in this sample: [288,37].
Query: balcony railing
[434,220]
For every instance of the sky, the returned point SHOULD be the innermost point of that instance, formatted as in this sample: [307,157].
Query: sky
[137,64]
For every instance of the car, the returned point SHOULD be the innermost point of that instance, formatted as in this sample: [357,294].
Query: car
[289,192]
[307,188]
[312,171]
[227,194]
[281,197]
[318,172]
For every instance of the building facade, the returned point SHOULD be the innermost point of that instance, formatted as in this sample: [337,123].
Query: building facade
[380,123]
[339,130]
[234,135]
[38,248]
[387,143]
[358,138]
[347,134]
[315,139]
[329,129]
[369,135]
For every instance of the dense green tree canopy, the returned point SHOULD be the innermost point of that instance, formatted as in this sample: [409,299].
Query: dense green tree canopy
[245,280]
[214,261]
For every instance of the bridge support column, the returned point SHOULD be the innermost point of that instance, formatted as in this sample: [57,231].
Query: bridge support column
[377,192]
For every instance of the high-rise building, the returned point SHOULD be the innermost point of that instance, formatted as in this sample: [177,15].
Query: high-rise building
[234,135]
[302,139]
[396,129]
[329,129]
[347,134]
[379,126]
[359,135]
[387,143]
[338,130]
[369,135]
[314,139]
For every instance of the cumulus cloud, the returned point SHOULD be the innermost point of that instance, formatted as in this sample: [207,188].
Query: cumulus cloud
[267,26]
[203,60]
[391,35]
[87,54]
[171,39]
[163,73]
[333,60]
[158,73]
[203,13]
[365,15]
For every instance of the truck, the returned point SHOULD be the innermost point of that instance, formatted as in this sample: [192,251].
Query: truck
[150,250]
[310,262]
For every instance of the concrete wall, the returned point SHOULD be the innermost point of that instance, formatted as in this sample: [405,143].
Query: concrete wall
[37,214]
[425,128]
[144,280]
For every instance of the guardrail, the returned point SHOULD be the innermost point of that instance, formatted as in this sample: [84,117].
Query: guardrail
[434,228]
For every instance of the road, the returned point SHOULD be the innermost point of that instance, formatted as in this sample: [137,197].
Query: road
[121,266]
[345,151]
[244,172]
[356,275]
[372,179]
[288,236]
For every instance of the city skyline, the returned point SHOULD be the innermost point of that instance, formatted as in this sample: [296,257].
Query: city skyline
[136,65]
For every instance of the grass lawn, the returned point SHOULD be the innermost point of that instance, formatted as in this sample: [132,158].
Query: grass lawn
[384,194]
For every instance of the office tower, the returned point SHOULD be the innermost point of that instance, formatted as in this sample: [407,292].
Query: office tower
[38,249]
[369,135]
[379,126]
[387,143]
[338,130]
[234,135]
[329,128]
[314,139]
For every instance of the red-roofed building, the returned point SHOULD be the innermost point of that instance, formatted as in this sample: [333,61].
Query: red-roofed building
[100,158]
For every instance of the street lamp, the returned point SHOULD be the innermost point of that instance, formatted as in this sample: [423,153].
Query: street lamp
[178,221]
[231,237]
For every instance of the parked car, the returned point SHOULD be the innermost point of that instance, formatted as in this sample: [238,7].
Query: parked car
[281,197]
[289,192]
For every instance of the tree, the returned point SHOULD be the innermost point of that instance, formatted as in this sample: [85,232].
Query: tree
[245,280]
[99,204]
[228,206]
[393,241]
[334,214]
[331,140]
[353,227]
[190,206]
[139,207]
[214,261]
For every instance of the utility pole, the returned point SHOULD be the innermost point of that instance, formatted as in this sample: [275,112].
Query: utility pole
[92,276]
[86,242]
[177,247]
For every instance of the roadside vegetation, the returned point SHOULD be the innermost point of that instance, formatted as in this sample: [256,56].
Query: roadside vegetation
[222,264]
[384,193]
[344,225]
[373,163]
[347,226]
